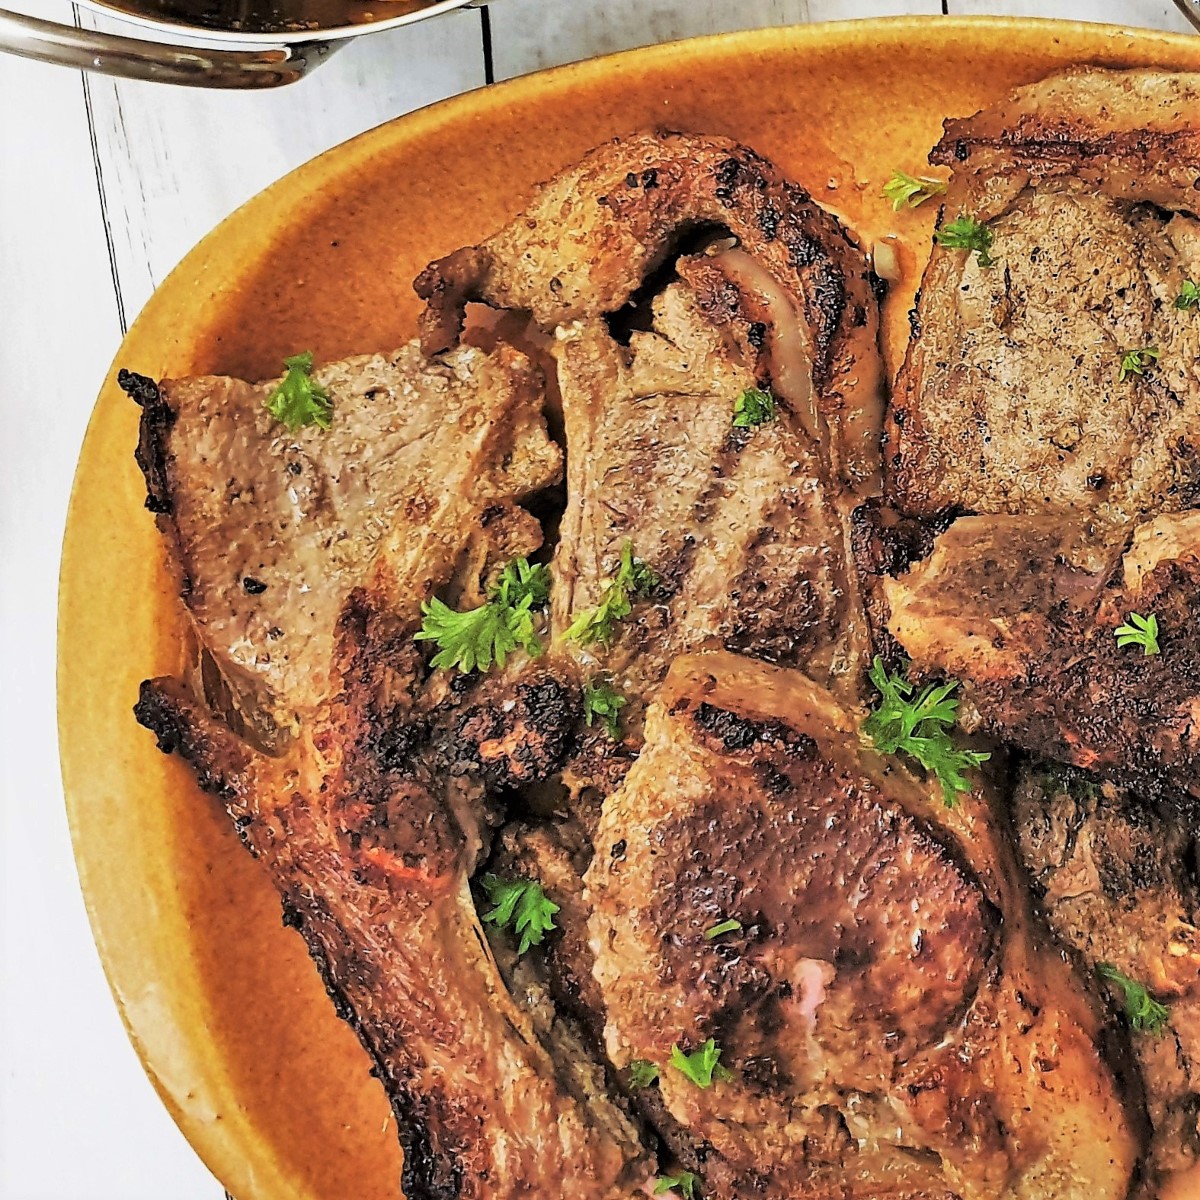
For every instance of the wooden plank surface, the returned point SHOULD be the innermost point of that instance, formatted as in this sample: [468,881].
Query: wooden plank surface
[173,162]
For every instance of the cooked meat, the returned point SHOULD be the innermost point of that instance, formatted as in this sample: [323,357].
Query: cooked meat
[883,979]
[270,530]
[367,851]
[1023,610]
[1009,399]
[795,294]
[1118,883]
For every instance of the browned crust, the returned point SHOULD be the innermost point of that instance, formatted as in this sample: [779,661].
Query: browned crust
[643,192]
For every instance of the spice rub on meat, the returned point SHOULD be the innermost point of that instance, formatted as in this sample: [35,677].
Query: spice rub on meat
[1012,398]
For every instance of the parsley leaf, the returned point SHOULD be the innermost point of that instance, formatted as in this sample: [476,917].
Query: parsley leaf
[1139,631]
[522,904]
[684,1183]
[911,190]
[475,639]
[1144,1012]
[601,699]
[642,1073]
[701,1066]
[634,581]
[1136,362]
[730,926]
[920,728]
[1189,295]
[966,233]
[299,399]
[753,408]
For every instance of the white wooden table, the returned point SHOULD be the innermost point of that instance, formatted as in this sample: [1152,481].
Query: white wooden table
[103,187]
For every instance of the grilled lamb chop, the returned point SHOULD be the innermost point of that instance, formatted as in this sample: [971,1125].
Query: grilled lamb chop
[794,294]
[890,1025]
[369,843]
[1023,610]
[1118,884]
[1009,399]
[366,848]
[271,530]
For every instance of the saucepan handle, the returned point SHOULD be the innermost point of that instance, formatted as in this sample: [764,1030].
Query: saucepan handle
[133,58]
[1191,10]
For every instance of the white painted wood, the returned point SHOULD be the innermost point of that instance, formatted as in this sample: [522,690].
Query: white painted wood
[1149,14]
[528,35]
[78,1118]
[175,161]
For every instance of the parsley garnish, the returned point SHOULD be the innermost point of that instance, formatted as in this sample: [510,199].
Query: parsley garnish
[1136,362]
[966,233]
[474,639]
[299,399]
[642,1073]
[522,904]
[685,1183]
[634,580]
[701,1066]
[920,728]
[1144,1012]
[1139,631]
[601,699]
[911,190]
[730,926]
[753,408]
[1189,295]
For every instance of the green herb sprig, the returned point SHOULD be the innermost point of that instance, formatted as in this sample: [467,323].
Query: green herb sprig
[1144,1012]
[475,639]
[919,724]
[684,1183]
[634,580]
[299,399]
[522,904]
[701,1066]
[1138,362]
[1139,631]
[908,191]
[754,407]
[966,233]
[602,701]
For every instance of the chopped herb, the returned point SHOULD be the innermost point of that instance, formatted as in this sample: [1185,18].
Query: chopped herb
[1139,631]
[920,728]
[1144,1012]
[701,1066]
[521,578]
[522,904]
[1136,362]
[911,190]
[475,639]
[602,700]
[684,1183]
[730,926]
[1189,295]
[966,233]
[634,580]
[299,399]
[642,1073]
[753,408]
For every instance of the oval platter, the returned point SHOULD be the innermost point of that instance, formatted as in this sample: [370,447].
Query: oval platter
[220,1001]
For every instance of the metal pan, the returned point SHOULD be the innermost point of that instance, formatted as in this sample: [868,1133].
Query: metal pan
[243,43]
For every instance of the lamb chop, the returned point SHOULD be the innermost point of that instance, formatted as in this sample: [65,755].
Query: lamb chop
[862,959]
[1117,880]
[369,846]
[1064,376]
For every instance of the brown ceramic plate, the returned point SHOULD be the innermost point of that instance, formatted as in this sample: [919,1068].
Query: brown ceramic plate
[221,1002]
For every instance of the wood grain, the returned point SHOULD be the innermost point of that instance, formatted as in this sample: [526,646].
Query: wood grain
[528,35]
[175,161]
